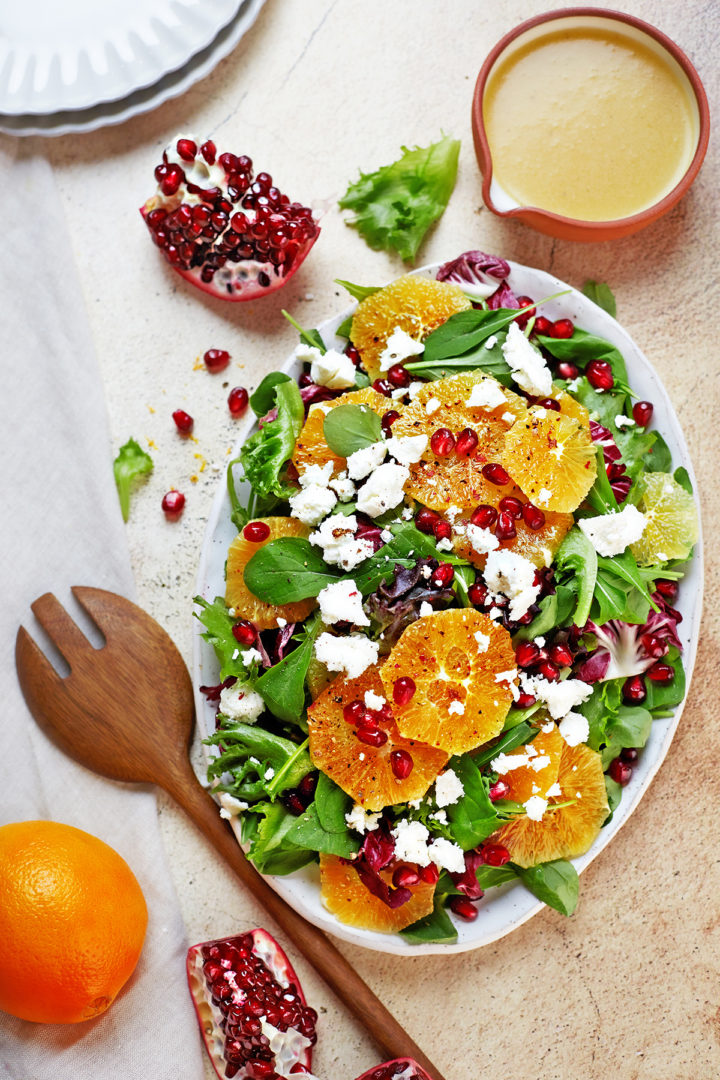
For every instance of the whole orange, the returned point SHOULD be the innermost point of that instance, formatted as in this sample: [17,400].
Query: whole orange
[72,922]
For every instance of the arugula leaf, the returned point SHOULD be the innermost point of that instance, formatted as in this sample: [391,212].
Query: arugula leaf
[310,337]
[582,347]
[262,400]
[396,205]
[358,292]
[282,687]
[602,295]
[218,631]
[286,570]
[473,817]
[555,883]
[269,849]
[248,752]
[265,453]
[348,428]
[131,462]
[436,927]
[577,553]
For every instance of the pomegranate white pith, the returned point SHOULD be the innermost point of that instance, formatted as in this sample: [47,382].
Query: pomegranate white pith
[233,234]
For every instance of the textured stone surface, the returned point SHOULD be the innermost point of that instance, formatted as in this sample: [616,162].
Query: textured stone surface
[628,986]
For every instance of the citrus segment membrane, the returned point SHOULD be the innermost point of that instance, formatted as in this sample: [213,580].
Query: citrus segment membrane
[552,459]
[453,658]
[671,520]
[345,897]
[311,447]
[237,595]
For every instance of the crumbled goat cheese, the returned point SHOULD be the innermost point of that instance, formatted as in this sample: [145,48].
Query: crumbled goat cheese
[482,540]
[456,707]
[560,697]
[540,762]
[386,536]
[269,773]
[543,497]
[281,622]
[411,839]
[574,384]
[407,449]
[487,394]
[611,533]
[528,367]
[407,513]
[239,702]
[535,807]
[383,490]
[414,389]
[432,405]
[343,487]
[491,341]
[483,641]
[505,763]
[374,701]
[440,816]
[316,475]
[508,417]
[622,421]
[399,346]
[554,791]
[361,821]
[307,354]
[448,788]
[427,572]
[251,656]
[512,575]
[574,728]
[506,676]
[426,609]
[341,601]
[445,544]
[446,855]
[333,369]
[311,504]
[336,537]
[353,653]
[362,462]
[231,806]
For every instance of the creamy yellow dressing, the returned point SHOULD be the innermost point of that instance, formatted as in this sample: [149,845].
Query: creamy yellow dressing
[589,123]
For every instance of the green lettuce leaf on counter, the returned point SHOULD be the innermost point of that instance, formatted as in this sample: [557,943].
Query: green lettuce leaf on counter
[132,462]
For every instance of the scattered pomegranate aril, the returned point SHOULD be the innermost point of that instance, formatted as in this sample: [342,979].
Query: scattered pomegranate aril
[548,403]
[525,302]
[527,654]
[463,908]
[620,771]
[562,328]
[173,503]
[294,803]
[401,764]
[398,376]
[630,755]
[353,353]
[495,854]
[383,387]
[244,632]
[667,589]
[548,670]
[484,516]
[442,442]
[599,375]
[403,690]
[505,528]
[533,517]
[653,645]
[256,531]
[524,701]
[542,326]
[387,421]
[353,711]
[308,784]
[560,654]
[442,530]
[426,520]
[663,674]
[233,237]
[238,400]
[371,737]
[467,442]
[566,369]
[499,790]
[442,576]
[429,874]
[495,473]
[642,413]
[477,594]
[216,360]
[404,877]
[369,720]
[247,996]
[511,505]
[183,421]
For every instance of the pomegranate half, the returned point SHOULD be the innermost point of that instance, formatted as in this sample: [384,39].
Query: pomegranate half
[399,1069]
[251,1009]
[233,234]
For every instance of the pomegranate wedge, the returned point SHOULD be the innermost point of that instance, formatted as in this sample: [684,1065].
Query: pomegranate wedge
[231,233]
[399,1069]
[251,1009]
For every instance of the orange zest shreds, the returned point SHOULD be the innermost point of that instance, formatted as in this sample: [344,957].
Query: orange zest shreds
[552,459]
[345,896]
[311,448]
[529,780]
[415,304]
[363,771]
[237,594]
[458,704]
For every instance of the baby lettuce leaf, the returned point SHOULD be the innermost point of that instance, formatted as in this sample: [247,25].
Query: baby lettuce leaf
[601,294]
[310,337]
[131,463]
[555,883]
[348,428]
[286,570]
[248,752]
[473,817]
[358,292]
[218,631]
[262,400]
[396,205]
[265,453]
[661,699]
[577,554]
[323,827]
[282,687]
[556,609]
[629,727]
[435,927]
[269,847]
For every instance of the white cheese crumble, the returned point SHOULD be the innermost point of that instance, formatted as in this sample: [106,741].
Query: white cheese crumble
[361,820]
[231,806]
[448,788]
[445,544]
[487,394]
[251,656]
[543,496]
[336,537]
[383,490]
[353,653]
[535,807]
[528,367]
[407,449]
[574,728]
[491,341]
[560,697]
[399,346]
[374,701]
[341,601]
[318,475]
[426,609]
[611,533]
[554,791]
[239,702]
[622,421]
[269,773]
[411,839]
[483,641]
[456,707]
[512,575]
[312,503]
[343,487]
[361,463]
[482,540]
[446,855]
[432,405]
[509,418]
[333,369]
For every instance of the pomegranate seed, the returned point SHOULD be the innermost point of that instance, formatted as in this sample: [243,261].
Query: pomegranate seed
[495,473]
[525,301]
[548,670]
[634,689]
[499,790]
[543,326]
[599,375]
[306,787]
[505,528]
[484,516]
[187,149]
[294,804]
[642,412]
[353,353]
[383,387]
[495,855]
[533,517]
[172,180]
[237,400]
[369,720]
[477,594]
[467,442]
[398,376]
[209,151]
[256,531]
[429,874]
[524,701]
[403,690]
[442,442]
[426,520]
[173,503]
[667,589]
[654,646]
[442,576]
[562,328]
[560,654]
[388,419]
[183,421]
[527,654]
[511,505]
[548,403]
[661,673]
[620,771]
[216,360]
[404,877]
[630,755]
[353,711]
[372,737]
[442,530]
[566,369]
[463,908]
[401,763]
[244,632]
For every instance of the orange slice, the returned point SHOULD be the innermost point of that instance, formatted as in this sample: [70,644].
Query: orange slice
[536,545]
[569,406]
[528,780]
[566,831]
[412,303]
[311,448]
[345,896]
[237,594]
[452,657]
[363,771]
[552,458]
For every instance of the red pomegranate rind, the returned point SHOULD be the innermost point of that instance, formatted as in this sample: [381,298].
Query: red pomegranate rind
[231,233]
[398,1069]
[252,1012]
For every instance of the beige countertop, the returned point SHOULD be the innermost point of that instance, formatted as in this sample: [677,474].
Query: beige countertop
[628,987]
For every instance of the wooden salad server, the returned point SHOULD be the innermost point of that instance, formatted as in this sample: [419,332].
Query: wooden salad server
[126,711]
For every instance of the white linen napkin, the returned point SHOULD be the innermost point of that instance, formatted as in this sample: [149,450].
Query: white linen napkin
[60,525]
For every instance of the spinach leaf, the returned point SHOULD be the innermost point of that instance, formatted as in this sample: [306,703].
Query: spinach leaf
[270,850]
[517,736]
[614,797]
[683,479]
[262,400]
[218,632]
[265,453]
[345,328]
[282,687]
[248,752]
[662,698]
[323,827]
[630,727]
[555,610]
[555,883]
[489,877]
[358,292]
[286,570]
[577,554]
[406,547]
[582,347]
[131,463]
[436,927]
[348,428]
[310,337]
[473,817]
[602,295]
[332,804]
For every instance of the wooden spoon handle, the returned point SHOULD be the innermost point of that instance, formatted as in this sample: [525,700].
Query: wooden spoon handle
[394,1041]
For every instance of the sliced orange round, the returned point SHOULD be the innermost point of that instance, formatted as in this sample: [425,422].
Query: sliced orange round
[552,459]
[564,831]
[457,480]
[536,545]
[453,658]
[570,406]
[412,303]
[542,769]
[237,595]
[345,896]
[311,448]
[365,772]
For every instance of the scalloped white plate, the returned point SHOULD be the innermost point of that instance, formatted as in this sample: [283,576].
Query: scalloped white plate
[505,908]
[78,53]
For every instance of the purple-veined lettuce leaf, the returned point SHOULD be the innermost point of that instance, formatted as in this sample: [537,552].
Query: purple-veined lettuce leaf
[477,273]
[626,649]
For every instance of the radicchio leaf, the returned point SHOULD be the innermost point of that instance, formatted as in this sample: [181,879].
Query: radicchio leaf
[377,852]
[623,648]
[467,882]
[472,267]
[503,298]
